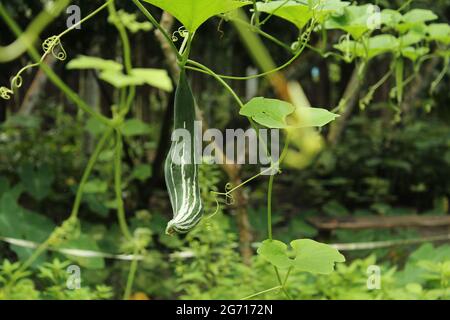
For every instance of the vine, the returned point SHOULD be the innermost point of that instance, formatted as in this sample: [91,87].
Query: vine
[356,44]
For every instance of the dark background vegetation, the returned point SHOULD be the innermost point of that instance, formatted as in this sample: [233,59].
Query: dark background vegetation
[380,167]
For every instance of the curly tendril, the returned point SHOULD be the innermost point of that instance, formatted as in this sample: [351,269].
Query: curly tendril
[5,93]
[53,45]
[181,32]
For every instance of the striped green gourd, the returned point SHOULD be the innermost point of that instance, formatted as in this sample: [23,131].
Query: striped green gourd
[182,176]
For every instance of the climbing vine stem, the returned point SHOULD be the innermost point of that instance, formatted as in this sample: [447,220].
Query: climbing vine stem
[93,159]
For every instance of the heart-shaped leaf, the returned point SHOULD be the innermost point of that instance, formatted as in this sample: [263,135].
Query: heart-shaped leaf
[270,113]
[354,20]
[315,257]
[193,13]
[307,255]
[273,113]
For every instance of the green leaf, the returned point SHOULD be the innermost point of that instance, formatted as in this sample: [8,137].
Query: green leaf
[135,127]
[415,18]
[276,252]
[270,113]
[95,186]
[414,53]
[10,213]
[273,113]
[94,126]
[23,121]
[439,32]
[36,181]
[138,77]
[193,13]
[119,80]
[142,172]
[410,38]
[300,12]
[308,255]
[354,20]
[305,117]
[391,18]
[419,15]
[129,20]
[157,78]
[84,242]
[375,46]
[315,257]
[87,62]
[12,217]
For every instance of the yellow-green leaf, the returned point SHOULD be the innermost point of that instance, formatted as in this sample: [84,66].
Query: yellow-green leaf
[307,255]
[193,13]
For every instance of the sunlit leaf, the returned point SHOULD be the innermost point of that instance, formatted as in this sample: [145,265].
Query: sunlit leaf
[270,113]
[315,257]
[276,252]
[305,117]
[154,77]
[419,15]
[415,18]
[439,32]
[391,18]
[273,113]
[157,78]
[307,255]
[354,20]
[193,13]
[86,62]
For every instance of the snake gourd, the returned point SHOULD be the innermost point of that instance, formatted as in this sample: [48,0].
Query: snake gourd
[181,168]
